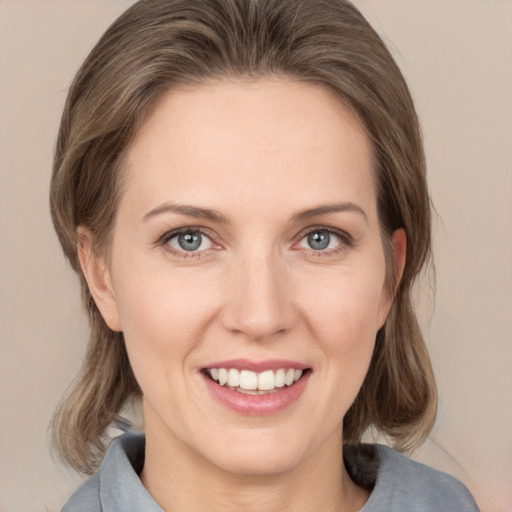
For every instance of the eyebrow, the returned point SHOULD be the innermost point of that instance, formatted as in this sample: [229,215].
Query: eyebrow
[188,210]
[215,216]
[329,208]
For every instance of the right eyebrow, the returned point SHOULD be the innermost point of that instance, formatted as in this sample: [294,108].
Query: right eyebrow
[188,210]
[330,208]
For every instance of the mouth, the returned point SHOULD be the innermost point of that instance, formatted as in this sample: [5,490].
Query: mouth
[256,388]
[256,383]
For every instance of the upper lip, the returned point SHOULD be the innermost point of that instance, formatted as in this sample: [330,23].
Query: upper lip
[257,366]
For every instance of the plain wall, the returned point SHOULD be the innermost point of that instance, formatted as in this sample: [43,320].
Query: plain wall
[457,57]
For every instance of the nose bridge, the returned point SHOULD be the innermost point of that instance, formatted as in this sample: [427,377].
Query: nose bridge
[259,304]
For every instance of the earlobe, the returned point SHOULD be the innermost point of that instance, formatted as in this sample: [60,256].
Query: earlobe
[98,279]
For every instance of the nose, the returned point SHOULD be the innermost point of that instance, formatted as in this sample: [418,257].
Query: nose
[258,302]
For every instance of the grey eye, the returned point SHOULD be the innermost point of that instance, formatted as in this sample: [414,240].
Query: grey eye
[319,240]
[190,241]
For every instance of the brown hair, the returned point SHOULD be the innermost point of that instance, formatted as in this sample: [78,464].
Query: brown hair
[159,44]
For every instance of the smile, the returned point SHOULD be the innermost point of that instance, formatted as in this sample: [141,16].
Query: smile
[255,383]
[256,388]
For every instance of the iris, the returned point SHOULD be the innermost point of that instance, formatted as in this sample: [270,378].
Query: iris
[190,241]
[319,240]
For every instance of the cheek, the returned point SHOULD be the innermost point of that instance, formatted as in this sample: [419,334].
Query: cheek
[343,316]
[345,306]
[163,319]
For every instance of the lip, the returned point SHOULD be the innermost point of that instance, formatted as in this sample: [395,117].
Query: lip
[257,405]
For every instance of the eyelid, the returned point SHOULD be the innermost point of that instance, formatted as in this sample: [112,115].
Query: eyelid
[185,229]
[163,241]
[347,240]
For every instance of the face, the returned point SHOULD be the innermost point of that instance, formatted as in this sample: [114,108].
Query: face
[247,271]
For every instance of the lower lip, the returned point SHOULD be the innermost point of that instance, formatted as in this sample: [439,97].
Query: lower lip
[258,405]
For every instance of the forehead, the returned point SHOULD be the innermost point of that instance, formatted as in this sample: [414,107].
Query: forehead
[268,136]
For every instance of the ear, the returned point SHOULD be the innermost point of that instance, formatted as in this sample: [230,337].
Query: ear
[98,279]
[399,243]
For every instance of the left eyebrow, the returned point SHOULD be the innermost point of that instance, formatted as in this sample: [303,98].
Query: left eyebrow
[188,210]
[317,211]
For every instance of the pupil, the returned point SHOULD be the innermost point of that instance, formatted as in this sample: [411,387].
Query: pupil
[189,241]
[319,240]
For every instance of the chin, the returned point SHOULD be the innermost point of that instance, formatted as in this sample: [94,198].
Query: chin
[258,456]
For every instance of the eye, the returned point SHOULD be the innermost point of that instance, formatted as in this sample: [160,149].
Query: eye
[189,241]
[321,240]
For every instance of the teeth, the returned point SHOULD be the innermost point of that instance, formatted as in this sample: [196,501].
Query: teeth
[279,378]
[290,375]
[223,375]
[246,381]
[266,380]
[234,378]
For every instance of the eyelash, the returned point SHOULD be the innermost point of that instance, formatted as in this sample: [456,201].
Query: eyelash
[167,237]
[346,241]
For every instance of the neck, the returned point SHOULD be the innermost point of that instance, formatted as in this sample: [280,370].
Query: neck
[180,479]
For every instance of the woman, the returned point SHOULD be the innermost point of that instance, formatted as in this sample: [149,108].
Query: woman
[240,185]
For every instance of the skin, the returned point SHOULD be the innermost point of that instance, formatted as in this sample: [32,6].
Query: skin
[257,153]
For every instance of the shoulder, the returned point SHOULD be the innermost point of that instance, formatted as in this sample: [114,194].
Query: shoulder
[86,498]
[116,486]
[406,485]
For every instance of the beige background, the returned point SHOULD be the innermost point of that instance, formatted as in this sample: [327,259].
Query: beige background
[457,56]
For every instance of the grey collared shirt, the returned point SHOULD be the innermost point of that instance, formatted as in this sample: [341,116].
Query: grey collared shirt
[400,484]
